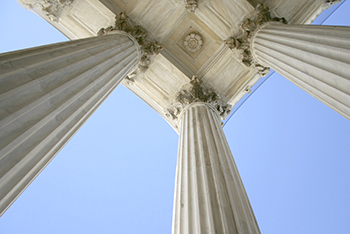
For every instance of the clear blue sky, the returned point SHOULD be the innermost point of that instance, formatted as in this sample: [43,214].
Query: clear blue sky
[117,173]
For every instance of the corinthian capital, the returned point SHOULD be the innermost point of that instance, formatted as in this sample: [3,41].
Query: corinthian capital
[248,27]
[197,91]
[149,48]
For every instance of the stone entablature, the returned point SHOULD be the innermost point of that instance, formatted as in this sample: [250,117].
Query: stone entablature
[149,48]
[248,27]
[197,91]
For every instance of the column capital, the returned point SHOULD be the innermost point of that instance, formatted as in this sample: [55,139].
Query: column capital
[248,28]
[196,91]
[148,47]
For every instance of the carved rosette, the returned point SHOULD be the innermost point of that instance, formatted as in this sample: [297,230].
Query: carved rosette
[51,9]
[191,5]
[197,91]
[149,48]
[193,42]
[249,27]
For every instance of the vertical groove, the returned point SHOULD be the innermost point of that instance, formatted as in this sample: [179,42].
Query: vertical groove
[217,178]
[315,58]
[185,202]
[191,171]
[223,191]
[206,166]
[219,202]
[196,182]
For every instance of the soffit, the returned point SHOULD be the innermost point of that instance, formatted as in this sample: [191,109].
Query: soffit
[169,22]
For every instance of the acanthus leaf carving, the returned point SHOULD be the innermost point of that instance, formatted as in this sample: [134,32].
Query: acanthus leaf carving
[197,91]
[149,48]
[243,42]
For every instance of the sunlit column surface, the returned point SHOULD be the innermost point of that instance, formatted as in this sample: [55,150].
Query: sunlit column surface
[46,94]
[209,194]
[315,58]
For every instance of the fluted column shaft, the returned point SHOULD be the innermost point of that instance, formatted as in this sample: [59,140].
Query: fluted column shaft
[46,94]
[209,194]
[315,58]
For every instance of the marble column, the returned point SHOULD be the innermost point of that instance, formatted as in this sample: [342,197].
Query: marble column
[315,58]
[46,94]
[209,194]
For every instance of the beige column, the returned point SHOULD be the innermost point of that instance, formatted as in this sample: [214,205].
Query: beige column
[315,58]
[209,195]
[46,94]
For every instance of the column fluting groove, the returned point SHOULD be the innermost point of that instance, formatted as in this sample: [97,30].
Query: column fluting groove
[314,57]
[46,94]
[212,197]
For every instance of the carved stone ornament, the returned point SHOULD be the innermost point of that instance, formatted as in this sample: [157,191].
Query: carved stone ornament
[328,3]
[248,27]
[193,42]
[191,5]
[51,9]
[197,91]
[148,48]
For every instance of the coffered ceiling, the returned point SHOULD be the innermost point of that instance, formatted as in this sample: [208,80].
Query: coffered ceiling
[193,42]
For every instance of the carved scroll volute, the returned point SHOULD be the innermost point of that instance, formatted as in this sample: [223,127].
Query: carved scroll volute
[197,91]
[149,48]
[248,27]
